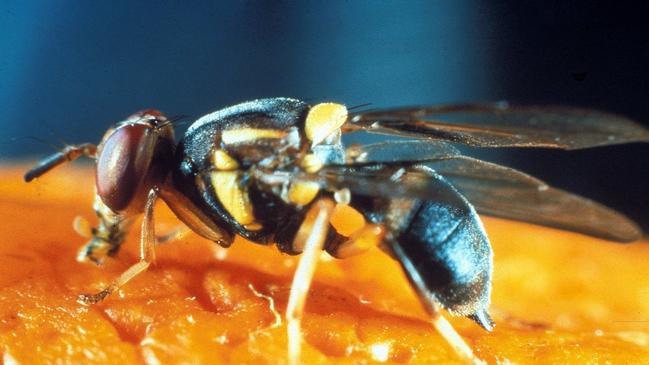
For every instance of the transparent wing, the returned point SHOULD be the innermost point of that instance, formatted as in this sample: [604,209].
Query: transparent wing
[492,189]
[503,125]
[400,151]
[378,180]
[504,192]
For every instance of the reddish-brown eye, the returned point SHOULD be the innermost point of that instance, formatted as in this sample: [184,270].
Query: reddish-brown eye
[121,165]
[146,112]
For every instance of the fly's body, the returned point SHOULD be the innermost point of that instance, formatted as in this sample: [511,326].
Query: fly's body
[275,171]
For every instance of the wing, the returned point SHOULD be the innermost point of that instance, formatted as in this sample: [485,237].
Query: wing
[504,192]
[377,180]
[493,190]
[407,151]
[502,125]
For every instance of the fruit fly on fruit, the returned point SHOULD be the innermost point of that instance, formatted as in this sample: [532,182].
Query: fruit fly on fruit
[275,171]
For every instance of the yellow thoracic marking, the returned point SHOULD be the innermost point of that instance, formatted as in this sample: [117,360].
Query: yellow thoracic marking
[323,120]
[303,192]
[234,199]
[241,135]
[311,163]
[223,161]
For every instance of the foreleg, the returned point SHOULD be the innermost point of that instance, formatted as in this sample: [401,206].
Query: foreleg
[147,256]
[68,154]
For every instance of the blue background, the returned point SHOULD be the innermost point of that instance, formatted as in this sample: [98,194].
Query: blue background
[68,69]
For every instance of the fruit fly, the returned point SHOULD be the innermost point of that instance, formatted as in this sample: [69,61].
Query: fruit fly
[275,171]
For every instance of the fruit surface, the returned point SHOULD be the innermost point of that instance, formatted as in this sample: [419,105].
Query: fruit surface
[558,297]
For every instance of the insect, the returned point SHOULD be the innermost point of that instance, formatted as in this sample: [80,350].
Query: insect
[275,171]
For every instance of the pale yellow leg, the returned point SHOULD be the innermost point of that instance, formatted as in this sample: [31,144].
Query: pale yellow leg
[360,241]
[177,233]
[147,256]
[311,236]
[193,217]
[454,339]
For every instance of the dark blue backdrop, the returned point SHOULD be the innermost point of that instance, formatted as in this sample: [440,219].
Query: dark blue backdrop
[68,69]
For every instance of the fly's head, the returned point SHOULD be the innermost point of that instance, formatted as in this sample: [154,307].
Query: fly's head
[133,157]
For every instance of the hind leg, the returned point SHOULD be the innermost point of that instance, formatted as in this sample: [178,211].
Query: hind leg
[310,239]
[454,339]
[443,327]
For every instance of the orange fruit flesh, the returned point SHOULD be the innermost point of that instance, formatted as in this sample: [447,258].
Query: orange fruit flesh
[558,297]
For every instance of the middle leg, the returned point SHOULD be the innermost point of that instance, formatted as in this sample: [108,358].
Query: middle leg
[311,239]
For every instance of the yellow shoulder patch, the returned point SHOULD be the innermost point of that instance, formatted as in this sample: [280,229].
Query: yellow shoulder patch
[324,119]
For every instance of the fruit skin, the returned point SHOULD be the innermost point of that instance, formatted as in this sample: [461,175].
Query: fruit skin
[558,297]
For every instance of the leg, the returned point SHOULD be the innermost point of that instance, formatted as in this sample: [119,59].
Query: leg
[454,339]
[311,237]
[69,153]
[147,256]
[105,239]
[175,234]
[355,234]
[443,327]
[83,228]
[193,216]
[370,235]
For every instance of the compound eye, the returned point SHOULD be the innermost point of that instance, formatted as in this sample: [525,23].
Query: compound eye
[122,165]
[146,112]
